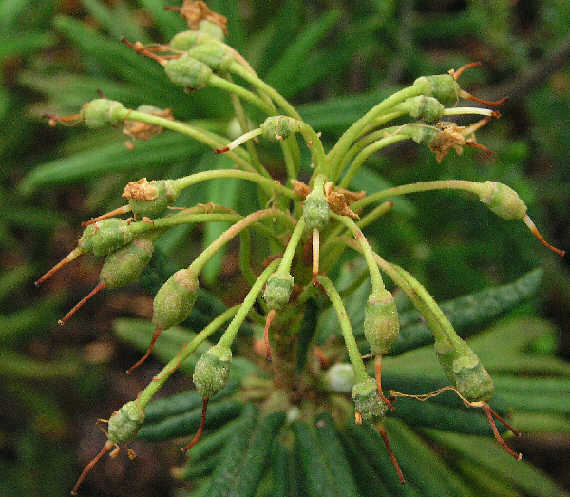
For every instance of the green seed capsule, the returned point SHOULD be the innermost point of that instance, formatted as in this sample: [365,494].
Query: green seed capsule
[465,371]
[212,371]
[150,198]
[278,290]
[212,29]
[175,299]
[367,400]
[188,72]
[185,40]
[101,112]
[440,86]
[213,55]
[424,108]
[316,210]
[503,201]
[381,323]
[125,423]
[127,263]
[105,237]
[472,379]
[277,128]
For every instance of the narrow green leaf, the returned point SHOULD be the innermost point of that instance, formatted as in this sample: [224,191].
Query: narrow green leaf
[38,319]
[186,424]
[295,56]
[158,153]
[369,481]
[469,312]
[257,457]
[179,403]
[232,455]
[18,365]
[14,279]
[13,46]
[335,456]
[168,23]
[281,33]
[419,464]
[116,20]
[114,57]
[318,476]
[488,455]
[222,192]
[339,113]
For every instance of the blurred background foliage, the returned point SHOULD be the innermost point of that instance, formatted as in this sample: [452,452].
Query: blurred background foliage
[334,59]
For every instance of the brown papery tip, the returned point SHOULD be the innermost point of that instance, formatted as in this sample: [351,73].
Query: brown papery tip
[157,333]
[196,438]
[222,150]
[534,230]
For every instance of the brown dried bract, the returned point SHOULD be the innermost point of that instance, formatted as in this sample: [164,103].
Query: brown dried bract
[194,12]
[351,196]
[450,137]
[338,202]
[143,131]
[140,190]
[455,137]
[301,189]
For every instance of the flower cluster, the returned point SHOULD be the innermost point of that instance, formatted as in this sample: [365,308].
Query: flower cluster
[320,217]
